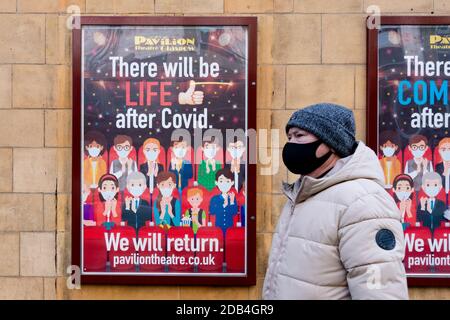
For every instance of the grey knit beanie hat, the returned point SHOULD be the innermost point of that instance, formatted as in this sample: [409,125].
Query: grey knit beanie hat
[331,123]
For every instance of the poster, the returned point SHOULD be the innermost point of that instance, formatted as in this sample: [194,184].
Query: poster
[163,152]
[413,138]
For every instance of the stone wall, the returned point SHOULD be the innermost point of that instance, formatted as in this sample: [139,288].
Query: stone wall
[308,51]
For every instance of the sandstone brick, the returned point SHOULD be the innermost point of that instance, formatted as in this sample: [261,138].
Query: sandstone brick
[263,182]
[58,128]
[327,6]
[265,39]
[58,40]
[319,83]
[37,254]
[255,292]
[22,128]
[248,6]
[47,6]
[401,6]
[35,170]
[21,288]
[283,5]
[168,6]
[8,6]
[360,120]
[64,170]
[5,88]
[5,170]
[21,212]
[271,87]
[277,204]
[298,39]
[9,251]
[119,6]
[203,6]
[57,213]
[50,288]
[344,38]
[263,204]
[263,245]
[24,40]
[442,6]
[280,177]
[360,87]
[104,292]
[213,293]
[41,86]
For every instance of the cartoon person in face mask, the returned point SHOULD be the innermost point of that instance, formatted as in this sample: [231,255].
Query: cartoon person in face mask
[108,209]
[419,165]
[390,164]
[124,165]
[224,205]
[94,165]
[403,188]
[431,210]
[209,165]
[180,167]
[151,167]
[236,150]
[443,168]
[136,211]
[167,209]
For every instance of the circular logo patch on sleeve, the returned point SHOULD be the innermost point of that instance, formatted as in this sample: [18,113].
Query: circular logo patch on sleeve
[385,239]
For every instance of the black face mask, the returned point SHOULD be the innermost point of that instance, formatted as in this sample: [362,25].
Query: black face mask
[301,158]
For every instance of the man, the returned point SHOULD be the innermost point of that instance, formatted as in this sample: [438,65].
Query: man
[224,205]
[209,165]
[419,164]
[136,211]
[431,210]
[339,225]
[179,166]
[123,165]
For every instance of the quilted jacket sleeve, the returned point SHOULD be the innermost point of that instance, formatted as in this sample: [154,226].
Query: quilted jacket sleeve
[371,245]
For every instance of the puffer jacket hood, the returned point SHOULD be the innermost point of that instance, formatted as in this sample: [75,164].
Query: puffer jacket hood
[327,241]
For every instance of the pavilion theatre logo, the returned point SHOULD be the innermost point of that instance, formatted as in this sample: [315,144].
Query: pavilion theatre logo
[163,44]
[439,41]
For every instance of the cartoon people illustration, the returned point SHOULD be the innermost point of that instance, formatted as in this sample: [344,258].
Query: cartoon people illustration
[224,205]
[443,168]
[166,208]
[151,167]
[94,166]
[123,165]
[108,210]
[136,211]
[179,166]
[88,208]
[195,217]
[209,165]
[236,150]
[391,165]
[419,165]
[403,188]
[431,210]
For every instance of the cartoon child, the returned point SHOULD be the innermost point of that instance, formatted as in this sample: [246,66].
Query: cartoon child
[151,167]
[209,165]
[443,168]
[224,205]
[124,165]
[180,167]
[136,211]
[167,209]
[431,210]
[195,216]
[94,165]
[88,209]
[236,150]
[391,165]
[108,209]
[403,188]
[419,165]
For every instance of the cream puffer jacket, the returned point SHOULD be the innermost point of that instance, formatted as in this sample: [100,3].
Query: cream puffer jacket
[338,237]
